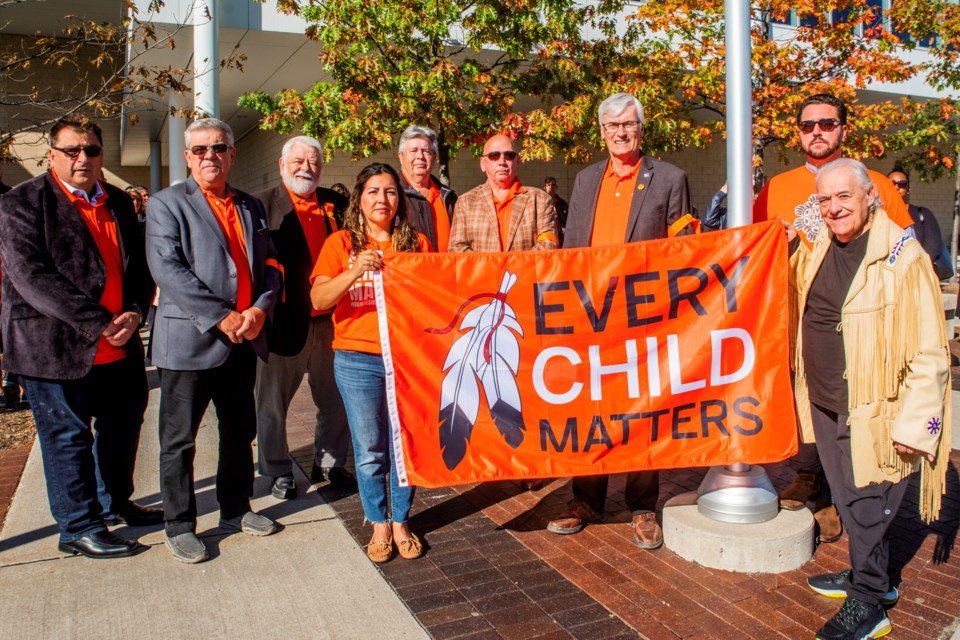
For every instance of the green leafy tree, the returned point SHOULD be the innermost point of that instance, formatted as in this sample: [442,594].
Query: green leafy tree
[459,66]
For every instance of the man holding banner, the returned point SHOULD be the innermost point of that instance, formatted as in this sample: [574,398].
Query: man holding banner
[627,198]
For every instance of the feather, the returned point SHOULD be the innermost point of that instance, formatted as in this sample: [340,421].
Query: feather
[487,354]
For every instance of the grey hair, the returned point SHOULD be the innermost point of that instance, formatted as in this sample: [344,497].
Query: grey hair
[207,123]
[617,104]
[306,141]
[416,131]
[860,175]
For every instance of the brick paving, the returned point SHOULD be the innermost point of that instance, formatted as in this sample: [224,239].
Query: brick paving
[12,462]
[492,571]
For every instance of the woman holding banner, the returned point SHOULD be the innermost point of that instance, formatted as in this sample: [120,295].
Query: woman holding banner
[375,222]
[872,382]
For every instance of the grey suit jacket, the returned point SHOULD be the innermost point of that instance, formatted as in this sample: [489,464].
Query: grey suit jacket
[191,263]
[663,198]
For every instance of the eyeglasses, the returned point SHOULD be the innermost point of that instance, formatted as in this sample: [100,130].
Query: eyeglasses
[901,184]
[826,125]
[629,126]
[92,151]
[201,149]
[495,155]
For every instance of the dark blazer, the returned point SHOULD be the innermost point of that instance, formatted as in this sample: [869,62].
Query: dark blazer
[421,214]
[191,263]
[54,276]
[663,198]
[287,332]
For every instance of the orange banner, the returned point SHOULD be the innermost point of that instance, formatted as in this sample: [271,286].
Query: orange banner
[654,355]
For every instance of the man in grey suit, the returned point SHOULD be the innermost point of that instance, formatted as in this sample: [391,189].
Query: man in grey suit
[210,252]
[627,198]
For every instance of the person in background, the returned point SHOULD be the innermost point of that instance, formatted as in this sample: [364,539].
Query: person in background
[925,226]
[376,223]
[559,205]
[716,215]
[431,202]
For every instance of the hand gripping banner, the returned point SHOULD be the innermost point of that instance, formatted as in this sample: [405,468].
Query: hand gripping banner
[653,355]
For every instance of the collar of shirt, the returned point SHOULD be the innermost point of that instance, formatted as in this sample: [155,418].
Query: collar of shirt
[98,196]
[304,204]
[512,192]
[222,203]
[634,170]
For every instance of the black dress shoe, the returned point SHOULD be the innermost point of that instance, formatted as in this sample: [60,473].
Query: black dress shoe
[340,478]
[316,474]
[136,515]
[100,544]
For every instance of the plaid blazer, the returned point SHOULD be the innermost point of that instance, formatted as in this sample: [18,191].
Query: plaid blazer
[475,226]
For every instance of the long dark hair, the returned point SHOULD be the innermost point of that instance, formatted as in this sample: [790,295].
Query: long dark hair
[403,237]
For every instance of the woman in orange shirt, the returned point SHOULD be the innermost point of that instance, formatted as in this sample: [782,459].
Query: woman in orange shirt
[376,222]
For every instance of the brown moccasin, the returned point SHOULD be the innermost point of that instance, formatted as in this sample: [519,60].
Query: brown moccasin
[802,490]
[828,522]
[647,533]
[410,548]
[380,550]
[578,515]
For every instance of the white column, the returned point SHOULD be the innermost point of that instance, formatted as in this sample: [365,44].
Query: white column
[206,61]
[156,166]
[739,118]
[176,125]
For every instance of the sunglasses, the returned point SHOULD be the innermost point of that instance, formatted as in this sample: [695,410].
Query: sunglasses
[201,149]
[826,125]
[901,184]
[92,151]
[495,155]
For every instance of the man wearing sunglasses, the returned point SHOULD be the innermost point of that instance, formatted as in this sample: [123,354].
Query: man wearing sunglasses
[210,252]
[628,197]
[792,196]
[925,224]
[502,214]
[75,284]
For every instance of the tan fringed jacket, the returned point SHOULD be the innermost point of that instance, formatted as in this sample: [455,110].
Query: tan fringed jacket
[898,362]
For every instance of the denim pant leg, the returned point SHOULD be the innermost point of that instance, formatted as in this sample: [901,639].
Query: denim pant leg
[360,378]
[66,446]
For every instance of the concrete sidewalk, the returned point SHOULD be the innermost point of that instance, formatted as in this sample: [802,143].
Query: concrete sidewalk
[310,580]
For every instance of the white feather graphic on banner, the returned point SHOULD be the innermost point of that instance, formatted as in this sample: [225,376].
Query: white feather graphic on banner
[488,354]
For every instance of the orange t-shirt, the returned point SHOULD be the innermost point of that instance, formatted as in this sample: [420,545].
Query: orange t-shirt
[613,206]
[792,195]
[225,211]
[505,212]
[355,324]
[103,228]
[312,221]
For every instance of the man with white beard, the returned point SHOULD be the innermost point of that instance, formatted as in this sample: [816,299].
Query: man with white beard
[301,217]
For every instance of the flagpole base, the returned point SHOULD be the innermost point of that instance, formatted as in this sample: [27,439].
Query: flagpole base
[739,493]
[782,544]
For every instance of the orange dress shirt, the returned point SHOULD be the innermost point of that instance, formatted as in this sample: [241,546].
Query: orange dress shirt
[225,211]
[441,218]
[613,206]
[314,222]
[103,228]
[505,212]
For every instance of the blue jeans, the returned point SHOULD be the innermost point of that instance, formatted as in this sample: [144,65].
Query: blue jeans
[361,380]
[111,396]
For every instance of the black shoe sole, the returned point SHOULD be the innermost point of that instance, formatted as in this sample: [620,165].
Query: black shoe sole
[77,552]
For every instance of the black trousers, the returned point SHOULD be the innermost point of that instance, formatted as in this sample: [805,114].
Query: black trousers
[184,397]
[640,494]
[866,512]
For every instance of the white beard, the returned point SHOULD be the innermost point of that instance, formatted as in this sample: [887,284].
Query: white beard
[300,186]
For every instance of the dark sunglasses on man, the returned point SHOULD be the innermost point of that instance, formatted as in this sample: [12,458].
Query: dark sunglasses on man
[92,151]
[495,155]
[901,184]
[201,149]
[826,125]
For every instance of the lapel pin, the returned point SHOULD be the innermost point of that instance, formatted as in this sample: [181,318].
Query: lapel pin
[640,187]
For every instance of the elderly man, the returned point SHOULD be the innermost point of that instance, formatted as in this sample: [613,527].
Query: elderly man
[501,214]
[75,284]
[627,198]
[872,384]
[822,127]
[431,203]
[301,216]
[210,252]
